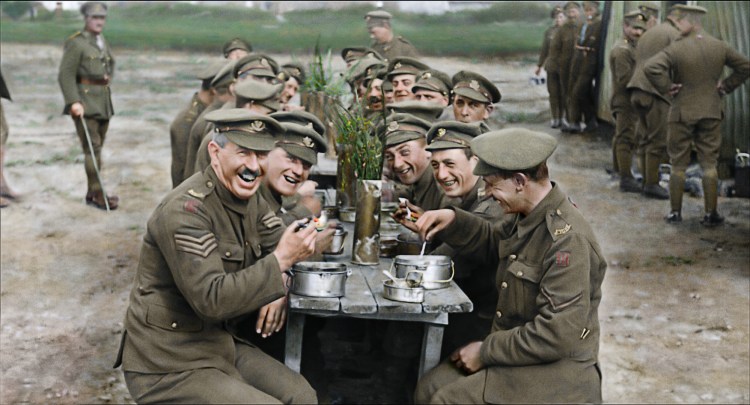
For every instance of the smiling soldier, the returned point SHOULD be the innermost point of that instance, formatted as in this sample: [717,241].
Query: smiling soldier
[200,267]
[402,73]
[474,97]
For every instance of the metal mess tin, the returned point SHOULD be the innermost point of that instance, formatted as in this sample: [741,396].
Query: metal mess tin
[337,243]
[319,279]
[347,214]
[402,291]
[432,271]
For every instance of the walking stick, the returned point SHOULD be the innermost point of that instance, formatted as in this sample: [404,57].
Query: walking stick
[93,157]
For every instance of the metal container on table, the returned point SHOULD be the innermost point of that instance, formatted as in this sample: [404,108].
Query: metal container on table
[337,243]
[409,243]
[347,214]
[319,279]
[402,291]
[433,271]
[332,212]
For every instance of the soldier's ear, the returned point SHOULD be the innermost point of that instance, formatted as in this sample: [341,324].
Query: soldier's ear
[520,180]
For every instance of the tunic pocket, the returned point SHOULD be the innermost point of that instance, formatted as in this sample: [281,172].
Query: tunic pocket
[171,319]
[523,286]
[232,256]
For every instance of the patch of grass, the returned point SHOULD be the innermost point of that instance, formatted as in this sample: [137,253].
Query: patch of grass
[520,116]
[505,28]
[676,260]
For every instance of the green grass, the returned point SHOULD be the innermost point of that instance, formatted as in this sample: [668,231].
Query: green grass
[505,28]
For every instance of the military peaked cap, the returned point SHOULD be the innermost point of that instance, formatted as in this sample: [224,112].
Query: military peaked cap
[295,70]
[302,118]
[400,128]
[420,109]
[685,9]
[476,87]
[571,4]
[452,135]
[245,128]
[262,93]
[236,43]
[353,53]
[302,142]
[256,64]
[635,19]
[209,71]
[377,18]
[224,77]
[649,9]
[511,149]
[94,9]
[434,80]
[405,65]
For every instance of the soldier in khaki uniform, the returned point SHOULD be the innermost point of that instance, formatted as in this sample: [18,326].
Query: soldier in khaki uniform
[385,42]
[473,97]
[652,107]
[352,54]
[553,70]
[6,194]
[402,73]
[622,64]
[179,130]
[293,76]
[651,11]
[236,48]
[584,70]
[86,71]
[561,53]
[544,342]
[200,268]
[690,69]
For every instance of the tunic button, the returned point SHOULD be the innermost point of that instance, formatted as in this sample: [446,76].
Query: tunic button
[209,183]
[558,212]
[504,285]
[247,243]
[499,314]
[174,325]
[228,254]
[512,257]
[519,274]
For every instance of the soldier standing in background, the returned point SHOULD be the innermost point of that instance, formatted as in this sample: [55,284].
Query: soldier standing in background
[236,48]
[551,65]
[652,107]
[6,194]
[385,42]
[561,51]
[651,12]
[86,71]
[622,64]
[690,70]
[583,71]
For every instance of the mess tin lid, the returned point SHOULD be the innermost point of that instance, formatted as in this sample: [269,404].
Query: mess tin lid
[436,260]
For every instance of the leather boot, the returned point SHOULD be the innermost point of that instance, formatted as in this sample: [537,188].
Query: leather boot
[676,189]
[651,187]
[97,200]
[710,189]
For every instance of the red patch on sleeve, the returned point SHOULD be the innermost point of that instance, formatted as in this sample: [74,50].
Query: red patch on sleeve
[562,259]
[191,206]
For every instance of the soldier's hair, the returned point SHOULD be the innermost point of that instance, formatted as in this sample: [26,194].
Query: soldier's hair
[220,139]
[206,84]
[468,153]
[537,173]
[222,90]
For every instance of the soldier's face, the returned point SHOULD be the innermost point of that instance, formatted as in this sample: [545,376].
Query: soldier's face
[504,191]
[95,24]
[407,161]
[291,87]
[573,13]
[633,33]
[453,171]
[590,12]
[374,95]
[235,54]
[402,85]
[425,95]
[468,110]
[237,168]
[285,172]
[380,35]
[560,19]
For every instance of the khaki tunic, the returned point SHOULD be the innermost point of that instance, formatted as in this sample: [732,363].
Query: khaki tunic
[197,132]
[560,56]
[549,59]
[179,133]
[583,71]
[624,143]
[397,47]
[544,52]
[83,60]
[544,342]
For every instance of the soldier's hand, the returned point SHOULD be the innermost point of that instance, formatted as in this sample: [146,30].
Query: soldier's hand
[271,317]
[432,222]
[467,358]
[537,71]
[721,89]
[296,244]
[76,110]
[307,188]
[325,237]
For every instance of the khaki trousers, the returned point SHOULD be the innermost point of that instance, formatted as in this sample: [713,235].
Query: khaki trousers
[556,95]
[705,135]
[446,384]
[652,114]
[98,132]
[624,141]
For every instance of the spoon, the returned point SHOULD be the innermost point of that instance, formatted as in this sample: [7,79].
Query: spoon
[421,253]
[396,282]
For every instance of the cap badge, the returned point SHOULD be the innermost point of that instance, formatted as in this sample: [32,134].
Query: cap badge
[441,132]
[393,126]
[296,71]
[426,75]
[309,125]
[397,65]
[308,142]
[474,85]
[257,126]
[263,62]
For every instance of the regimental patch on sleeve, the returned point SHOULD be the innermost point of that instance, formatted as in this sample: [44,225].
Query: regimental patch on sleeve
[201,246]
[562,259]
[270,220]
[191,206]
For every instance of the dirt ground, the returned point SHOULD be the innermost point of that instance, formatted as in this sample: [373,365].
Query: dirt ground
[675,313]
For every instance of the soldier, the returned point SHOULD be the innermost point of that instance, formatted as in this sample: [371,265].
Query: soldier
[179,130]
[86,70]
[424,110]
[256,66]
[237,48]
[584,70]
[561,53]
[221,89]
[452,164]
[352,54]
[356,74]
[622,64]
[385,42]
[473,97]
[199,269]
[255,96]
[293,76]
[433,86]
[402,73]
[651,11]
[690,69]
[549,60]
[544,340]
[6,194]
[374,102]
[652,107]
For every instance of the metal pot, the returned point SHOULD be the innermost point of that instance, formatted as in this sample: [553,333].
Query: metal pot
[409,243]
[434,272]
[347,214]
[388,244]
[337,243]
[402,292]
[319,279]
[332,211]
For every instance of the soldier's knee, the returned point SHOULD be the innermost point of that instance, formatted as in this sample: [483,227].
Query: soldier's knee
[424,391]
[303,393]
[710,172]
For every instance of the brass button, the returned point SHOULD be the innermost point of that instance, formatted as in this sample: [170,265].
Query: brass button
[504,285]
[512,257]
[558,212]
[228,254]
[519,274]
[247,243]
[209,183]
[174,325]
[499,314]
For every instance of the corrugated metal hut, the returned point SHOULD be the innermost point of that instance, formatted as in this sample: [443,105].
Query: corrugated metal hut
[726,20]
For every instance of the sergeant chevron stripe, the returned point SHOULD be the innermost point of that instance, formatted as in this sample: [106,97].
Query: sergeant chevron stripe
[270,220]
[202,246]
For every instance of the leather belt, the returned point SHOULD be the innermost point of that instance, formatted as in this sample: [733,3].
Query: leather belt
[93,82]
[585,48]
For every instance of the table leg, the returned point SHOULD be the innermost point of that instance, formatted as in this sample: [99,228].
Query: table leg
[432,341]
[293,353]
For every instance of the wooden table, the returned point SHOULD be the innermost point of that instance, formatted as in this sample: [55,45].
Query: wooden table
[364,299]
